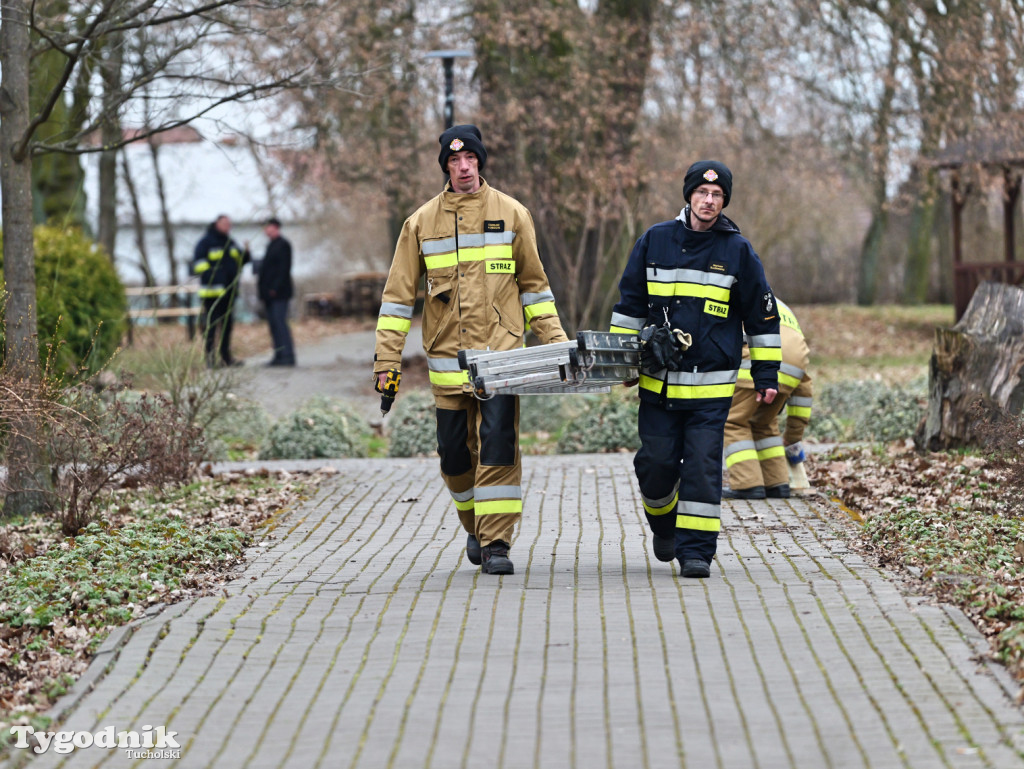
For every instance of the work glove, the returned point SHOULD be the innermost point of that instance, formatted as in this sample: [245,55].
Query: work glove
[662,347]
[795,453]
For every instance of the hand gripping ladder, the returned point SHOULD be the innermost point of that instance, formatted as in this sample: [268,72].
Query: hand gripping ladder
[591,363]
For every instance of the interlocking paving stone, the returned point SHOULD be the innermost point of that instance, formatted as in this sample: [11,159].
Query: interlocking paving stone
[361,637]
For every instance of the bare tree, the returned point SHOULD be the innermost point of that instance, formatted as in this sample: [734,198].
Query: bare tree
[183,63]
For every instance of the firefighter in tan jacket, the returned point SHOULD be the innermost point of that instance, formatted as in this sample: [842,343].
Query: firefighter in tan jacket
[756,454]
[485,287]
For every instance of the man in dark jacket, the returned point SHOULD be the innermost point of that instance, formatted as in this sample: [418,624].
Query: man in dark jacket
[699,281]
[275,291]
[218,261]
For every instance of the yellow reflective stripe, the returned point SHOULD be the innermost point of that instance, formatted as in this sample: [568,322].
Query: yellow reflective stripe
[650,383]
[201,266]
[799,411]
[766,353]
[215,254]
[540,308]
[716,293]
[500,251]
[773,451]
[621,330]
[394,324]
[475,254]
[786,379]
[744,373]
[209,293]
[699,524]
[665,508]
[689,392]
[463,506]
[442,260]
[741,456]
[448,378]
[499,506]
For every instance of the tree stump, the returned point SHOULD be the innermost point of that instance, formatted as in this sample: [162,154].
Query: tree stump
[977,362]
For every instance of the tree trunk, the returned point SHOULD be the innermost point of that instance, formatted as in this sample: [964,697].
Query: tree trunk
[110,134]
[29,489]
[978,362]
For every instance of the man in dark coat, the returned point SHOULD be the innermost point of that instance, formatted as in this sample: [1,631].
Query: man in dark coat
[275,291]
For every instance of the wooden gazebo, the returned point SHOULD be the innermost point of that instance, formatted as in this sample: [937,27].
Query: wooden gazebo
[998,152]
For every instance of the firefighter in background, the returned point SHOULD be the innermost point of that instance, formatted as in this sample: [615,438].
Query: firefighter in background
[218,261]
[698,280]
[485,287]
[757,456]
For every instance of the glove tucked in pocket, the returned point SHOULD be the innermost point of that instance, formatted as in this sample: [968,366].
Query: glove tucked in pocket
[662,347]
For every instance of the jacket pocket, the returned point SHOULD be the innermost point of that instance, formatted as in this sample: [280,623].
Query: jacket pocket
[440,287]
[510,321]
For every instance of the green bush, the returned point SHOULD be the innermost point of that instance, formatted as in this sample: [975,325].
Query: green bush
[81,304]
[320,428]
[413,428]
[547,413]
[867,411]
[238,424]
[605,423]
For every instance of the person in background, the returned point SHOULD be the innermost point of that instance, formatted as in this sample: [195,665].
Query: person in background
[757,456]
[696,283]
[218,261]
[274,285]
[485,287]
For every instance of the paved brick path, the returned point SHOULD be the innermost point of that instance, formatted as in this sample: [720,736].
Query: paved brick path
[361,637]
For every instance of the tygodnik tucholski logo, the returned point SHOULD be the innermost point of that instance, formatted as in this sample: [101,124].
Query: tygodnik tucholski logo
[151,742]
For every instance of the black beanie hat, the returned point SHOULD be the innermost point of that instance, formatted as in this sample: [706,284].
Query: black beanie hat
[462,137]
[708,172]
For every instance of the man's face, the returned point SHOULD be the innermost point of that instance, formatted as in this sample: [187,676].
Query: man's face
[272,231]
[223,225]
[464,170]
[707,202]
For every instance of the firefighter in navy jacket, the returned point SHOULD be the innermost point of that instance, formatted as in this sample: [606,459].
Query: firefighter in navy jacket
[699,275]
[218,261]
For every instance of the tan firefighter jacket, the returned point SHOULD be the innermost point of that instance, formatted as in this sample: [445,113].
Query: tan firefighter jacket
[794,381]
[485,284]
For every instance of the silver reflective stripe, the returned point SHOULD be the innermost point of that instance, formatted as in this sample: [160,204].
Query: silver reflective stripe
[700,509]
[540,296]
[440,246]
[401,310]
[656,503]
[485,493]
[735,448]
[767,443]
[680,275]
[499,238]
[443,364]
[627,321]
[791,370]
[698,378]
[765,340]
[798,402]
[745,363]
[462,496]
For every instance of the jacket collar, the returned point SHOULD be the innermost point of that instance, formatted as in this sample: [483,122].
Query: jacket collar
[452,200]
[722,224]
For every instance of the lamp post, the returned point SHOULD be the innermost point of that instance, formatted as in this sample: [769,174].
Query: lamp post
[448,61]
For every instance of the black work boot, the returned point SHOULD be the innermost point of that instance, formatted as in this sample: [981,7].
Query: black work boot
[695,567]
[754,492]
[495,559]
[664,548]
[473,549]
[778,492]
